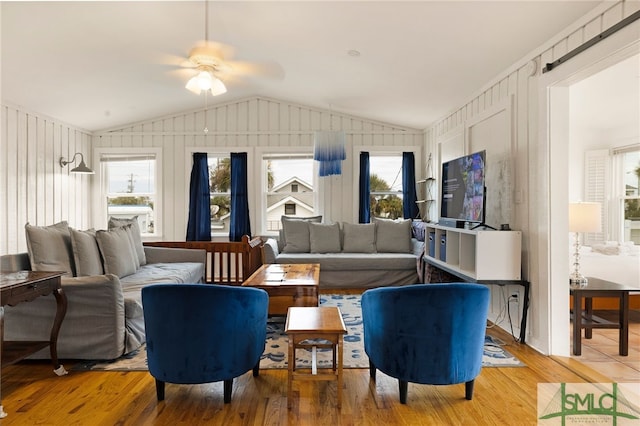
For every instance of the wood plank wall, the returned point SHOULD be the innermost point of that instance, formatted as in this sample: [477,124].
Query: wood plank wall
[255,125]
[33,186]
[520,82]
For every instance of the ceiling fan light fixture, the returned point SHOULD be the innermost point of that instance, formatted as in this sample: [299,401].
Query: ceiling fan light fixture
[205,80]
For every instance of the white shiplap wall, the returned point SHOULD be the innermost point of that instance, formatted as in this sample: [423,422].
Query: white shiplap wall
[33,186]
[520,82]
[256,125]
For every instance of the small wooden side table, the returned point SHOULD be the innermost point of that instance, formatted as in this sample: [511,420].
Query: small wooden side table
[25,286]
[585,318]
[307,323]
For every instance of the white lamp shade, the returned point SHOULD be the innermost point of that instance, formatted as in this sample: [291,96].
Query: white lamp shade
[205,80]
[585,217]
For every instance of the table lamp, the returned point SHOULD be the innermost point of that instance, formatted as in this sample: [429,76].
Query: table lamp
[583,217]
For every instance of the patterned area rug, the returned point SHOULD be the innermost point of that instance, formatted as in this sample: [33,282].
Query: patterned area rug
[275,354]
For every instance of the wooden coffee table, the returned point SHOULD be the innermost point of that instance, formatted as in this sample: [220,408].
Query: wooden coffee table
[287,285]
[304,327]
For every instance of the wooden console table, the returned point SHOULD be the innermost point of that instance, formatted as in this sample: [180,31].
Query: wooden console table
[585,318]
[25,286]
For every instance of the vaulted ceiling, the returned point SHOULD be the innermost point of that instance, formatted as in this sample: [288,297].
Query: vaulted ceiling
[99,65]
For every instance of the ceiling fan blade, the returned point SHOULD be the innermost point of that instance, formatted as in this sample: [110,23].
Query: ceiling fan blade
[260,69]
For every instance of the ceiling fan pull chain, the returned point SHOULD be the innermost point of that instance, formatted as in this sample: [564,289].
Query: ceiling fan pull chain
[206,109]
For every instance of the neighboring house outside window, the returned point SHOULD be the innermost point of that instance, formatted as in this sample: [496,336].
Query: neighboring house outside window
[129,187]
[288,188]
[385,180]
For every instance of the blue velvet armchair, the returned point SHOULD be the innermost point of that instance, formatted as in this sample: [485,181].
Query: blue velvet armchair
[426,333]
[198,333]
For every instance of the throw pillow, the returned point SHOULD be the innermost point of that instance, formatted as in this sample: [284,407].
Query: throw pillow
[296,236]
[117,253]
[324,238]
[135,232]
[359,237]
[283,219]
[393,236]
[49,247]
[86,253]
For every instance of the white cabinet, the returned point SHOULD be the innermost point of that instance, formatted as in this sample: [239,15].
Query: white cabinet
[477,254]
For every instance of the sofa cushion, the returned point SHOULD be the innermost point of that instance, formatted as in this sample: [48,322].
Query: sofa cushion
[117,253]
[324,238]
[353,261]
[297,233]
[49,247]
[86,253]
[393,236]
[154,273]
[135,233]
[359,237]
[296,236]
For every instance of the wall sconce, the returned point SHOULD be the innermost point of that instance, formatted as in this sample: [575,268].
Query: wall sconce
[82,167]
[583,217]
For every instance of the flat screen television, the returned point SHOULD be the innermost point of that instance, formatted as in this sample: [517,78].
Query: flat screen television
[463,189]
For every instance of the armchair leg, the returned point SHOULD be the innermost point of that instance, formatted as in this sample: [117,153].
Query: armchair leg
[468,390]
[372,370]
[256,369]
[160,390]
[228,387]
[404,386]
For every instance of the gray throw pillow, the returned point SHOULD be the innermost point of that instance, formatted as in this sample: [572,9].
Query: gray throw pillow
[135,232]
[86,253]
[359,237]
[296,236]
[49,247]
[284,219]
[117,253]
[324,238]
[393,236]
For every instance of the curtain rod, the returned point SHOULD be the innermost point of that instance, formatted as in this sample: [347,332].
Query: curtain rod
[584,46]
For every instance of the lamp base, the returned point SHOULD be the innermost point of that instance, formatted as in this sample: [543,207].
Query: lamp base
[577,280]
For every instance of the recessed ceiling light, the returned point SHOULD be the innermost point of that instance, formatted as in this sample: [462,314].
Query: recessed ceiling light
[353,52]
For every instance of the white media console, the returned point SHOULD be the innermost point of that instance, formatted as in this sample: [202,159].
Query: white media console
[485,257]
[476,254]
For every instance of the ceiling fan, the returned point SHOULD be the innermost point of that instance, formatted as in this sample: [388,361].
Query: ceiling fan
[210,61]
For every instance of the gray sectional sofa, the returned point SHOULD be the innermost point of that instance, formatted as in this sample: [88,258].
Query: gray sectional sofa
[381,253]
[106,271]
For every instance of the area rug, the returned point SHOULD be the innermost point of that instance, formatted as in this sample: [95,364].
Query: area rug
[276,346]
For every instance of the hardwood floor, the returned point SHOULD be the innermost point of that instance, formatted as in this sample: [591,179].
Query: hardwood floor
[33,395]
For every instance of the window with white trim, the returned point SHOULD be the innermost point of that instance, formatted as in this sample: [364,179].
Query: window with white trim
[130,188]
[385,185]
[288,186]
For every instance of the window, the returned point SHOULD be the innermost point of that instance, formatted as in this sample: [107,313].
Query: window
[220,191]
[630,200]
[288,187]
[385,186]
[129,185]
